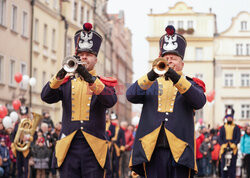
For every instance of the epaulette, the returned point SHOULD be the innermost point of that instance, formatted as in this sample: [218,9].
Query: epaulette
[200,83]
[108,81]
[65,80]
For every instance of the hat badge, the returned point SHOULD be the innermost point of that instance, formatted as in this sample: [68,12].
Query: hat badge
[170,39]
[86,40]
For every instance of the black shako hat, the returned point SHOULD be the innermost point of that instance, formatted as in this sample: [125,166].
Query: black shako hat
[229,112]
[172,43]
[87,40]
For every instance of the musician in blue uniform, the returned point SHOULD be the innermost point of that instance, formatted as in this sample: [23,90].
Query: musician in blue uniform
[228,139]
[164,143]
[82,148]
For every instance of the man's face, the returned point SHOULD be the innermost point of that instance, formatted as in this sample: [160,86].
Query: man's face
[229,119]
[174,61]
[89,58]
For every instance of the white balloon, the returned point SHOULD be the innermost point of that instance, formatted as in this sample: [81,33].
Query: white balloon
[26,79]
[7,122]
[14,116]
[32,81]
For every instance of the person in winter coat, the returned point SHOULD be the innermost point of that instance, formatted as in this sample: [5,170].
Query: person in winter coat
[4,152]
[41,157]
[215,155]
[206,148]
[245,149]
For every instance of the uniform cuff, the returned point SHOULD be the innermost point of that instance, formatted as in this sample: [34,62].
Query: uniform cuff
[54,83]
[183,85]
[97,86]
[144,83]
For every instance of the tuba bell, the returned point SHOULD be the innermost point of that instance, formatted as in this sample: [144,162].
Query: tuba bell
[27,127]
[160,66]
[70,64]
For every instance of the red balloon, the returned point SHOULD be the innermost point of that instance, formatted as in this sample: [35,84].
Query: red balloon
[3,111]
[210,96]
[18,77]
[16,104]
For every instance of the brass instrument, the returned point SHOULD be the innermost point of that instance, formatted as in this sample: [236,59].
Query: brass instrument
[27,127]
[228,158]
[160,66]
[70,64]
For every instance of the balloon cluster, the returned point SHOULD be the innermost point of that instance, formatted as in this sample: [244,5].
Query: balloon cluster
[25,79]
[12,118]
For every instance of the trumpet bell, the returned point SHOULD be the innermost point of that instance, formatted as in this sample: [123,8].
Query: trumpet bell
[70,64]
[160,66]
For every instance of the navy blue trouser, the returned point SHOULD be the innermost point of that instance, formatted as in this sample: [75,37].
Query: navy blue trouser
[162,165]
[231,172]
[22,165]
[80,161]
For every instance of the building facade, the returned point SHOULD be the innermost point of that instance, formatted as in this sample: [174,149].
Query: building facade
[232,77]
[53,25]
[15,30]
[220,60]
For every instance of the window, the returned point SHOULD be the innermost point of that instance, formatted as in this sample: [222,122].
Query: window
[23,72]
[25,25]
[199,76]
[228,79]
[44,78]
[245,80]
[170,22]
[1,69]
[245,111]
[2,11]
[45,29]
[68,46]
[36,30]
[190,24]
[81,15]
[75,11]
[243,25]
[239,49]
[198,53]
[53,39]
[248,49]
[14,18]
[12,71]
[180,24]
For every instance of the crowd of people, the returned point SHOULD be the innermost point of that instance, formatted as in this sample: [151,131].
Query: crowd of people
[208,149]
[39,155]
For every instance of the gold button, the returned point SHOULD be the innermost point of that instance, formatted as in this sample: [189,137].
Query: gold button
[171,109]
[172,104]
[166,113]
[74,79]
[81,128]
[72,117]
[166,119]
[159,109]
[73,86]
[159,104]
[73,93]
[88,104]
[81,121]
[89,98]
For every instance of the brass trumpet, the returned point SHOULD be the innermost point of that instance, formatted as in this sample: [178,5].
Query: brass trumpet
[160,66]
[27,127]
[70,64]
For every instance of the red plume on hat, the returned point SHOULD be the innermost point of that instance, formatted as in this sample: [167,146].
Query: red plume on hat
[170,30]
[87,26]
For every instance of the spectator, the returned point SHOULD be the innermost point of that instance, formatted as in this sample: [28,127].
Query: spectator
[47,119]
[199,156]
[215,155]
[206,148]
[5,157]
[129,140]
[41,157]
[245,149]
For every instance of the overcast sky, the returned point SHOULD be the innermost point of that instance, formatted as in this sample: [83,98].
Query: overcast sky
[136,20]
